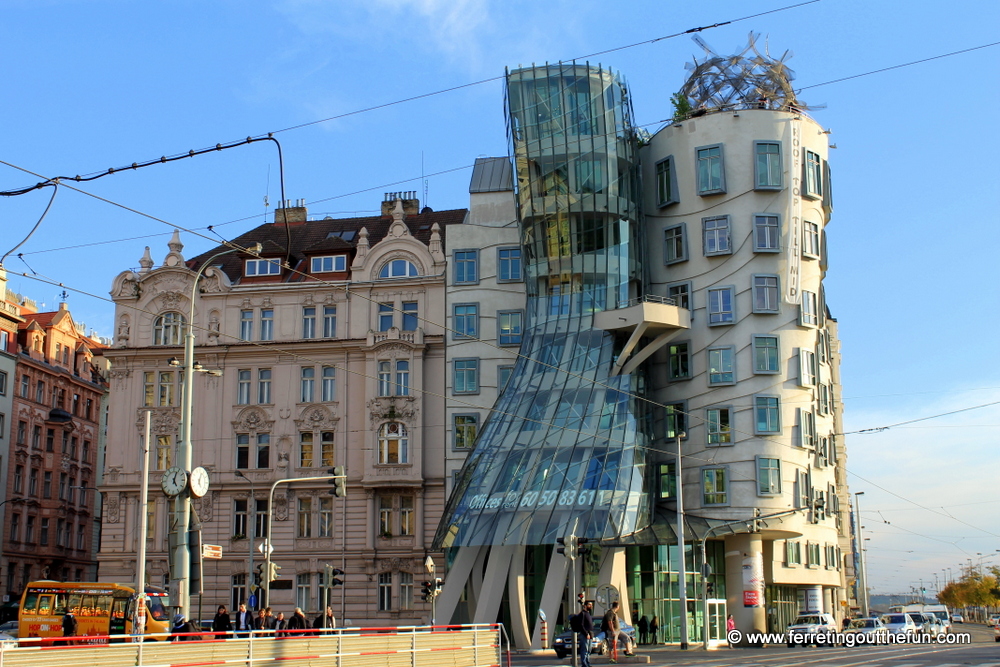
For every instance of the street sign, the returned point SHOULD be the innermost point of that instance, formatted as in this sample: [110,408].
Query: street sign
[252,601]
[270,549]
[212,551]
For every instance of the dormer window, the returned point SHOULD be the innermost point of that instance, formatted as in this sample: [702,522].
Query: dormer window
[329,264]
[262,267]
[398,268]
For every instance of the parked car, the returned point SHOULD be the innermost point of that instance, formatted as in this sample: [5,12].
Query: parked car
[994,620]
[957,618]
[899,624]
[934,625]
[563,643]
[996,633]
[9,628]
[808,626]
[866,626]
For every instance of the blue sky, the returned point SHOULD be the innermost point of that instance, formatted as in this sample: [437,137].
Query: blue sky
[96,84]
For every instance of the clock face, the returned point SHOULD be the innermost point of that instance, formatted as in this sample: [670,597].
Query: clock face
[174,481]
[199,482]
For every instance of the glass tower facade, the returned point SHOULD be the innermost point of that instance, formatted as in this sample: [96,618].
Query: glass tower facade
[565,448]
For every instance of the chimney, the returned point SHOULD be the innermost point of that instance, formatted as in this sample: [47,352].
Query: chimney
[411,205]
[291,211]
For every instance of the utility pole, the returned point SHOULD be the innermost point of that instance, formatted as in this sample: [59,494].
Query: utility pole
[250,529]
[861,555]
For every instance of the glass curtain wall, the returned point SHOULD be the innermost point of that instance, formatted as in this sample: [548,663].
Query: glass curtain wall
[565,449]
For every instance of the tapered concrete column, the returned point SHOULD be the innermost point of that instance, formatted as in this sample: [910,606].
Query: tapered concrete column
[553,594]
[613,572]
[518,603]
[494,583]
[745,583]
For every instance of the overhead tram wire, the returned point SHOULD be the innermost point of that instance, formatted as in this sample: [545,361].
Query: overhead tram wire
[270,135]
[516,354]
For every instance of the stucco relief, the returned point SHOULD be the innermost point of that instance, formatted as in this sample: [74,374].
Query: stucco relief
[392,350]
[213,281]
[392,408]
[394,564]
[125,285]
[112,515]
[316,418]
[281,508]
[171,300]
[112,473]
[253,420]
[163,421]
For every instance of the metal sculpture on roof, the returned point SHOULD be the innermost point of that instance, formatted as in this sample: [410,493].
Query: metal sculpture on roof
[750,79]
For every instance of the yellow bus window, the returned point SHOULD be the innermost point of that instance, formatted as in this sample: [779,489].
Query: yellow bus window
[45,605]
[30,602]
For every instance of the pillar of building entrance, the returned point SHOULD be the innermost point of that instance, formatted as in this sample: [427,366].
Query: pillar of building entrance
[745,583]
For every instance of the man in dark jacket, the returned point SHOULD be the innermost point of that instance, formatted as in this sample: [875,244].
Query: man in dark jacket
[325,621]
[585,623]
[69,625]
[243,622]
[297,623]
[181,626]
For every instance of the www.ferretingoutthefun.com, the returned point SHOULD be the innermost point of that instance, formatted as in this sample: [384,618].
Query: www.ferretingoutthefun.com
[847,639]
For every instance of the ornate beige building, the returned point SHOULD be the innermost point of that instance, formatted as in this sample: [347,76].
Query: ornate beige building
[326,357]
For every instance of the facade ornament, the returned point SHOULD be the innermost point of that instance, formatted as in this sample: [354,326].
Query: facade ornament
[437,252]
[213,281]
[213,328]
[112,515]
[121,337]
[281,508]
[174,257]
[361,250]
[119,375]
[126,286]
[145,262]
[316,418]
[398,229]
[164,421]
[385,408]
[112,473]
[309,299]
[253,420]
[171,300]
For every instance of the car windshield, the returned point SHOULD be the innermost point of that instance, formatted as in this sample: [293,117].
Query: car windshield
[863,623]
[894,618]
[916,618]
[807,620]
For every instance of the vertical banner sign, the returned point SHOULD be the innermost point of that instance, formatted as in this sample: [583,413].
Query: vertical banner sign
[814,600]
[795,220]
[753,580]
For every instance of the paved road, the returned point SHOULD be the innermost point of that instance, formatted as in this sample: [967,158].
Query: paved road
[982,652]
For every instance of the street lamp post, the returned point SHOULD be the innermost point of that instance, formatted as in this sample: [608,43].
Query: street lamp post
[861,554]
[181,552]
[251,526]
[681,566]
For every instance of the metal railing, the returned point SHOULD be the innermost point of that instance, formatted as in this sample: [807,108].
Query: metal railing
[479,645]
[649,298]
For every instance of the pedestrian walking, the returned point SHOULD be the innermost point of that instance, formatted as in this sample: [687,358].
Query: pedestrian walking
[583,625]
[611,627]
[221,624]
[243,622]
[654,626]
[730,625]
[181,629]
[69,627]
[297,623]
[643,626]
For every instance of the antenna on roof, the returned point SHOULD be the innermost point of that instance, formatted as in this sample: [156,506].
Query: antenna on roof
[422,176]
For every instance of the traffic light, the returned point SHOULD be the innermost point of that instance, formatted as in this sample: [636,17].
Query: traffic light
[272,572]
[339,482]
[438,585]
[568,548]
[581,597]
[710,588]
[582,550]
[258,576]
[331,573]
[427,591]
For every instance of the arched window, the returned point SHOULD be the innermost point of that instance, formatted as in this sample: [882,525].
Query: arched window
[398,268]
[393,444]
[168,329]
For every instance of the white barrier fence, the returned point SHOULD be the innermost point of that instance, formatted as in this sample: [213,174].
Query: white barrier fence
[422,646]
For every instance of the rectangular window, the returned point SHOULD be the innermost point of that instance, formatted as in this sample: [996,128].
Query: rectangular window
[260,520]
[306,453]
[33,482]
[466,317]
[25,386]
[666,182]
[307,385]
[668,480]
[385,591]
[766,233]
[384,378]
[385,313]
[3,383]
[264,386]
[721,365]
[767,165]
[509,265]
[465,427]
[263,450]
[793,553]
[813,179]
[766,413]
[466,267]
[721,306]
[43,533]
[242,451]
[715,236]
[243,386]
[718,422]
[503,376]
[246,325]
[267,324]
[385,512]
[768,476]
[678,361]
[326,449]
[29,529]
[466,376]
[410,318]
[39,392]
[325,517]
[240,518]
[402,387]
[810,239]
[807,429]
[304,518]
[681,294]
[406,590]
[407,516]
[765,294]
[163,456]
[675,417]
[47,484]
[329,384]
[711,171]
[22,432]
[329,264]
[714,487]
[36,437]
[823,406]
[509,326]
[15,527]
[309,322]
[303,591]
[329,321]
[165,389]
[18,479]
[765,354]
[675,244]
[262,267]
[148,389]
[807,368]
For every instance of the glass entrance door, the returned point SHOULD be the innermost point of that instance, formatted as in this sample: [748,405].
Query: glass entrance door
[716,621]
